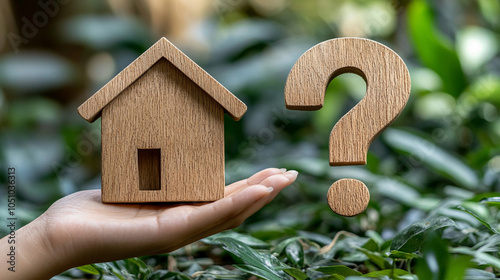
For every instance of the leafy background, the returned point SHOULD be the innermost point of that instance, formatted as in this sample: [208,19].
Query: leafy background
[433,175]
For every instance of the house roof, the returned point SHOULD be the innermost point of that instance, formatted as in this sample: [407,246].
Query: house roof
[91,109]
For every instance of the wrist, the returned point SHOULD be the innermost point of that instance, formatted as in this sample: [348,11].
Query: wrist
[29,254]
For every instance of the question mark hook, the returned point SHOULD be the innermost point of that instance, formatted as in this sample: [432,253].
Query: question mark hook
[387,92]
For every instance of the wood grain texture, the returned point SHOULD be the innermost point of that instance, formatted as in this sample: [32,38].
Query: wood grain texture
[92,108]
[387,91]
[163,109]
[348,197]
[162,129]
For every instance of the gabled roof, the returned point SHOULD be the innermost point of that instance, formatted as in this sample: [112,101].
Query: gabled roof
[91,109]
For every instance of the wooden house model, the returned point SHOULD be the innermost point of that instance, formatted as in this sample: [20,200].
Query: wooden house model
[162,122]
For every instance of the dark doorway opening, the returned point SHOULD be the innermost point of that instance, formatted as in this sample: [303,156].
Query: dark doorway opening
[149,161]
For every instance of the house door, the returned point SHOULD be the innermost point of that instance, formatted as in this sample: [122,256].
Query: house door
[149,161]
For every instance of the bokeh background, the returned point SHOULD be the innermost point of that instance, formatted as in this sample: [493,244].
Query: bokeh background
[442,152]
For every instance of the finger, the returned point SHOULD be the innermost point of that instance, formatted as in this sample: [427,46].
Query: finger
[201,219]
[207,216]
[279,182]
[274,184]
[215,227]
[253,180]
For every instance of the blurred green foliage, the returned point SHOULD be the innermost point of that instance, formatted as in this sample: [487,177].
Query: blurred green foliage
[433,175]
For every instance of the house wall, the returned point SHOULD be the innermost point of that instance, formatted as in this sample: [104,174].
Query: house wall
[163,109]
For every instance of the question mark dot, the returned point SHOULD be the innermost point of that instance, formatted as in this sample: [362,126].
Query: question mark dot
[348,197]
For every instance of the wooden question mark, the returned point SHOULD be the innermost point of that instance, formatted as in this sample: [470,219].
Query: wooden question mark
[387,92]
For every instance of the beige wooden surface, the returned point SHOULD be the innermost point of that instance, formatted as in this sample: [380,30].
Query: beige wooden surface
[165,110]
[162,129]
[387,92]
[348,197]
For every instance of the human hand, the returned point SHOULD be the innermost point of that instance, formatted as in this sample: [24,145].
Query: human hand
[79,229]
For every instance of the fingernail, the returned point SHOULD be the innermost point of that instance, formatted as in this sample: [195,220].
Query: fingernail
[291,174]
[283,170]
[270,189]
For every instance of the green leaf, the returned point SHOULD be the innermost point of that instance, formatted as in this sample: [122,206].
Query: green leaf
[485,223]
[295,254]
[437,159]
[256,263]
[283,244]
[434,261]
[407,277]
[457,267]
[491,201]
[371,245]
[387,272]
[139,264]
[219,272]
[332,277]
[113,268]
[315,237]
[395,254]
[411,238]
[484,195]
[478,274]
[375,236]
[376,258]
[339,269]
[478,255]
[345,248]
[245,238]
[167,275]
[90,269]
[259,271]
[433,49]
[296,273]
